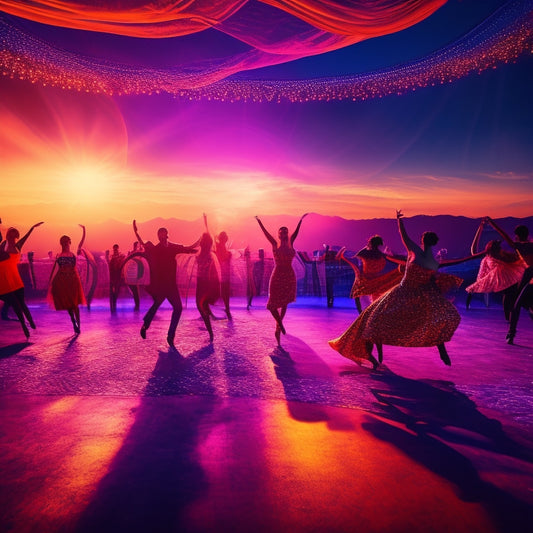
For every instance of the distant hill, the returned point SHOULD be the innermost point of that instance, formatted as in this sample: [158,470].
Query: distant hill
[456,233]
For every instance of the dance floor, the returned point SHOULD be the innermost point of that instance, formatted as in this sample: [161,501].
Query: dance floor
[107,432]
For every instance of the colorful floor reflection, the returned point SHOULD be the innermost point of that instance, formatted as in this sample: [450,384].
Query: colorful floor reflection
[107,432]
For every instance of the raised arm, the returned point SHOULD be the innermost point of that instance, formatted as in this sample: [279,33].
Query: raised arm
[271,239]
[136,231]
[22,240]
[82,239]
[205,223]
[504,235]
[297,230]
[475,242]
[409,244]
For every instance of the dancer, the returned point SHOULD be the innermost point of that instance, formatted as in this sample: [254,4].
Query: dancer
[66,291]
[207,281]
[256,271]
[524,298]
[162,260]
[413,313]
[282,285]
[115,261]
[499,271]
[11,284]
[224,260]
[133,273]
[370,281]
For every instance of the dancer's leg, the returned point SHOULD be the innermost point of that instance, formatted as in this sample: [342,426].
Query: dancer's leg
[278,319]
[175,301]
[149,316]
[11,300]
[444,354]
[19,295]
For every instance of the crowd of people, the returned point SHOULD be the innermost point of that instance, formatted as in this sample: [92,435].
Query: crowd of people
[408,306]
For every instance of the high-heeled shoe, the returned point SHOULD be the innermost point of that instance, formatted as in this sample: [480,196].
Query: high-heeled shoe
[143,332]
[510,337]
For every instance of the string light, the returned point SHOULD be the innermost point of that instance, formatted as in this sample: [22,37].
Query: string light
[502,38]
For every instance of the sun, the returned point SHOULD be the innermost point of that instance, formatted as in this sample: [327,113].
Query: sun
[88,183]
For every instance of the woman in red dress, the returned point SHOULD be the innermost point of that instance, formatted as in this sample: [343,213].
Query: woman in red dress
[66,291]
[414,313]
[282,285]
[11,284]
[371,280]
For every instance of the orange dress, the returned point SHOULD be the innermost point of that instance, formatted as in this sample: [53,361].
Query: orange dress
[66,291]
[282,286]
[414,313]
[10,279]
[371,281]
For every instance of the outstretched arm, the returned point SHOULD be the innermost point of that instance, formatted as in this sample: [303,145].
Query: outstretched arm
[21,241]
[475,242]
[82,239]
[136,231]
[297,230]
[205,223]
[407,242]
[267,235]
[451,262]
[504,235]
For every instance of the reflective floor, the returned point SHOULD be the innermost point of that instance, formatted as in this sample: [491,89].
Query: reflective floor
[106,431]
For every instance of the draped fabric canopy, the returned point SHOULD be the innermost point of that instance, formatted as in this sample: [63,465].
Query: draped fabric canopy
[263,32]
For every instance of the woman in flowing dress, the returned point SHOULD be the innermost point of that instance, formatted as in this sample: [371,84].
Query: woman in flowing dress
[207,281]
[11,284]
[66,291]
[413,313]
[371,280]
[282,285]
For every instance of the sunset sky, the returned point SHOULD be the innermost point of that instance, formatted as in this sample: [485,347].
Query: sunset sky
[463,148]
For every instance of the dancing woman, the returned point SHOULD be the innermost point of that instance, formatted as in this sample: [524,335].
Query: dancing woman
[66,291]
[499,271]
[207,281]
[282,285]
[224,260]
[414,313]
[524,297]
[11,284]
[371,281]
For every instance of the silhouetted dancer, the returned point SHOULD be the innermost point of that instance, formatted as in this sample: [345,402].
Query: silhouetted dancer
[282,286]
[162,260]
[524,298]
[115,262]
[11,284]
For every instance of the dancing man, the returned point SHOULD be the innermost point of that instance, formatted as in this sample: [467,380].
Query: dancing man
[162,260]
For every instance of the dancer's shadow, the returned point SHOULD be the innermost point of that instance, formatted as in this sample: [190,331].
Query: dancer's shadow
[434,413]
[13,349]
[305,394]
[156,474]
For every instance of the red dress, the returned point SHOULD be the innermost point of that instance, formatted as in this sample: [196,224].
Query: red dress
[414,313]
[66,290]
[282,286]
[371,281]
[10,279]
